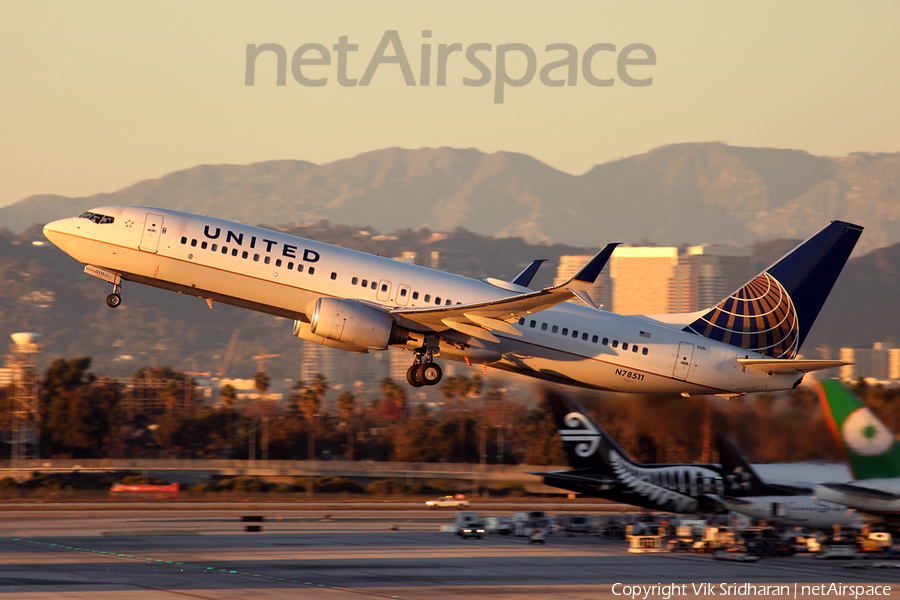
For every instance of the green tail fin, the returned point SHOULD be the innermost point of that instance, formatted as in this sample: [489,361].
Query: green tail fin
[872,450]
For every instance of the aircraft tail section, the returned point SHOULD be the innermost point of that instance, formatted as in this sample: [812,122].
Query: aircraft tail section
[740,478]
[871,448]
[587,444]
[773,313]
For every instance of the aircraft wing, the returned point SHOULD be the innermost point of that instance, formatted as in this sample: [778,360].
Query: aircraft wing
[789,365]
[479,318]
[569,477]
[861,492]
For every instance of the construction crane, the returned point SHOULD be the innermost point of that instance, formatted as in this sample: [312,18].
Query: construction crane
[229,353]
[260,361]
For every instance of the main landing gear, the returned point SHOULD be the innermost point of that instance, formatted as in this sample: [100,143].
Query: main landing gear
[424,371]
[114,299]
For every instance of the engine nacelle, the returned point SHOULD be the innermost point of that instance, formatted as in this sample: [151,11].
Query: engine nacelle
[301,330]
[354,323]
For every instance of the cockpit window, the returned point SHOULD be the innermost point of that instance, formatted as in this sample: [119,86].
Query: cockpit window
[97,218]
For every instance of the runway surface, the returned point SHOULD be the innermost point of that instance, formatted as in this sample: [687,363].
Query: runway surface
[149,554]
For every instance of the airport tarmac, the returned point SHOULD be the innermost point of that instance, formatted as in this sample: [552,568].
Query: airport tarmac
[98,552]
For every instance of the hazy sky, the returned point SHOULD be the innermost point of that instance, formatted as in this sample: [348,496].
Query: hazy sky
[95,96]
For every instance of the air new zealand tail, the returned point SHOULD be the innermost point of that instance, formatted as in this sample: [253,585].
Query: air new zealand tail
[741,480]
[601,468]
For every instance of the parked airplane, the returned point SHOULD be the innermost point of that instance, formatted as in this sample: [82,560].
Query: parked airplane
[357,302]
[872,451]
[601,468]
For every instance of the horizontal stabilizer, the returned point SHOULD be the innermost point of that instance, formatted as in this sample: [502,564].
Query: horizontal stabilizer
[789,365]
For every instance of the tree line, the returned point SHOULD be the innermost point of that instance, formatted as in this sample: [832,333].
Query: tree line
[160,413]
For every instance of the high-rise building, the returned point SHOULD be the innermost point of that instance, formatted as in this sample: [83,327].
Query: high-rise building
[881,361]
[661,279]
[643,280]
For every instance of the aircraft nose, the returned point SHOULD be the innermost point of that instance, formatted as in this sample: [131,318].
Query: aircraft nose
[58,232]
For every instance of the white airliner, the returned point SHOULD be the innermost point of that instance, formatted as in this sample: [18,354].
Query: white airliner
[601,468]
[355,301]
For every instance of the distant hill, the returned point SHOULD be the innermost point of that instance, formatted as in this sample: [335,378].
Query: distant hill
[682,193]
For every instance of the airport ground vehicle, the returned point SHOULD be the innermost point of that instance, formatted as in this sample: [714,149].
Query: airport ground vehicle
[501,525]
[448,502]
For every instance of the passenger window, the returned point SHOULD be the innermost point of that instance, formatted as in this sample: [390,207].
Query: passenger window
[245,254]
[268,260]
[605,341]
[373,284]
[615,344]
[234,252]
[224,249]
[522,321]
[644,352]
[448,303]
[574,333]
[383,287]
[555,328]
[437,299]
[403,292]
[634,348]
[299,267]
[312,270]
[203,246]
[354,281]
[333,275]
[543,327]
[532,324]
[415,295]
[184,240]
[290,266]
[256,258]
[594,339]
[624,345]
[194,243]
[584,336]
[427,297]
[277,262]
[365,283]
[214,247]
[565,331]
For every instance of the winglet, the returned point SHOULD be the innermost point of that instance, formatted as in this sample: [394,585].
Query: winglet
[524,278]
[588,274]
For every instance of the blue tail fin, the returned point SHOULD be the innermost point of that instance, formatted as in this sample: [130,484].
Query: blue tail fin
[773,313]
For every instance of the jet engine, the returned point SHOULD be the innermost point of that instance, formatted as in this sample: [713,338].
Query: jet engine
[354,323]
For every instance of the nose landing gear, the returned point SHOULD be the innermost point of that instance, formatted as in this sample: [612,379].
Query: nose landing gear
[424,371]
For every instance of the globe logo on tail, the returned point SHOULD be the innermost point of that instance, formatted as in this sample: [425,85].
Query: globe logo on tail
[580,432]
[760,317]
[865,434]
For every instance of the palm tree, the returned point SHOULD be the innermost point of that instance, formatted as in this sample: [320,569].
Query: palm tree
[309,406]
[346,403]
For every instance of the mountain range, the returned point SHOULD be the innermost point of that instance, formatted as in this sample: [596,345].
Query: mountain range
[682,193]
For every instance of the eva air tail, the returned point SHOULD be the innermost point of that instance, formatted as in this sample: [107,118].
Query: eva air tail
[872,451]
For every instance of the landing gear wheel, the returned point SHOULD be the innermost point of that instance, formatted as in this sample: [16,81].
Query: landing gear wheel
[430,373]
[413,376]
[113,300]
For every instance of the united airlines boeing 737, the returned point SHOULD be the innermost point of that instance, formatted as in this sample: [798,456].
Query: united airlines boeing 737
[358,302]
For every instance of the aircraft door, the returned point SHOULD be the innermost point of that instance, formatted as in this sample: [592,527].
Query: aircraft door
[779,509]
[384,290]
[403,294]
[683,361]
[153,226]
